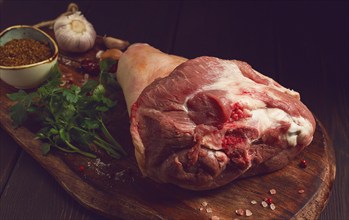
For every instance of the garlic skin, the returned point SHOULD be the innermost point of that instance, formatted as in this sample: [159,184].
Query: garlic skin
[74,33]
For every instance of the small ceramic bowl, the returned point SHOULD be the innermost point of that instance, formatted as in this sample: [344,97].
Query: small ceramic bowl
[31,75]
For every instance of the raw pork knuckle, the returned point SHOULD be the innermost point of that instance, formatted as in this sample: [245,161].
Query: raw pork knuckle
[204,122]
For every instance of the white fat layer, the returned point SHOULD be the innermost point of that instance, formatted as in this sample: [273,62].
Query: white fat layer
[233,78]
[235,81]
[261,116]
[265,118]
[273,117]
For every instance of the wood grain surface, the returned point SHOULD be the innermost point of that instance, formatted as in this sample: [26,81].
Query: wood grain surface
[303,45]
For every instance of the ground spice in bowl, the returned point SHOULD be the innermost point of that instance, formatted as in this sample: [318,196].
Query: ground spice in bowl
[19,52]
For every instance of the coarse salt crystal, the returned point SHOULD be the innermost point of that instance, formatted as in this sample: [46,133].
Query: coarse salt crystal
[253,202]
[201,209]
[214,217]
[119,175]
[204,204]
[272,191]
[248,212]
[208,210]
[272,206]
[301,191]
[264,204]
[239,212]
[99,163]
[100,172]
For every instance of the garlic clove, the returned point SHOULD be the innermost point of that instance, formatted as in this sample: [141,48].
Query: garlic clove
[111,42]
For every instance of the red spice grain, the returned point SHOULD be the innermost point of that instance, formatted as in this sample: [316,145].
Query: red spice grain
[81,168]
[303,164]
[268,200]
[240,212]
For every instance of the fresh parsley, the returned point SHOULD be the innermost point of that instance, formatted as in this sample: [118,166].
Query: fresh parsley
[72,118]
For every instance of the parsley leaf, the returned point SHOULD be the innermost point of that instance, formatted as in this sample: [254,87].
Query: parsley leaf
[45,148]
[72,95]
[18,96]
[71,118]
[18,114]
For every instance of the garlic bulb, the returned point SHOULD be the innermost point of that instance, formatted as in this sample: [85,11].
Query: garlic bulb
[74,33]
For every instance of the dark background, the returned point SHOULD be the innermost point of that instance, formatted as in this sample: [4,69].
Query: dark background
[301,44]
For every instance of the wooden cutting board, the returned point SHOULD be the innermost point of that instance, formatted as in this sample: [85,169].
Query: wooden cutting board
[116,189]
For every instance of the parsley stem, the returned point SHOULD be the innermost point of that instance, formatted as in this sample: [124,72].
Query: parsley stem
[107,148]
[111,139]
[63,149]
[100,140]
[77,150]
[106,133]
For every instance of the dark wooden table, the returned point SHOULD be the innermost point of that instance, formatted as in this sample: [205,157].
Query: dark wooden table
[303,45]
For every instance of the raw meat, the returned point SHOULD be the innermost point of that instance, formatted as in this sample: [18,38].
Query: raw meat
[204,122]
